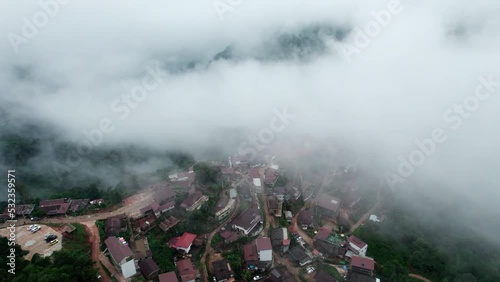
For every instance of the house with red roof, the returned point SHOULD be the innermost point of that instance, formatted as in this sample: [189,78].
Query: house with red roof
[183,242]
[362,265]
[357,246]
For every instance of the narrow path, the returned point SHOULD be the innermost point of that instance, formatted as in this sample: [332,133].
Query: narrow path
[208,246]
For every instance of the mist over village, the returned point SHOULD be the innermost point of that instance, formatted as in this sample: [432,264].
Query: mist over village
[234,140]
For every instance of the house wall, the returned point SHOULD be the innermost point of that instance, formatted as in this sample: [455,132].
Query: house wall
[128,268]
[266,255]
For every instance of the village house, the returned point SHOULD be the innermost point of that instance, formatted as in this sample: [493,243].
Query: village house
[55,207]
[300,256]
[222,270]
[78,204]
[168,223]
[264,249]
[224,207]
[251,257]
[182,243]
[149,268]
[323,233]
[357,246]
[239,161]
[361,269]
[270,177]
[115,225]
[168,277]
[121,256]
[247,220]
[140,248]
[228,236]
[280,239]
[328,206]
[186,270]
[305,219]
[20,210]
[194,201]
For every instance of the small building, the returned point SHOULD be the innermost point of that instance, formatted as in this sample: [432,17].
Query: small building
[55,207]
[279,193]
[182,243]
[20,210]
[121,256]
[305,219]
[140,248]
[78,204]
[357,246]
[323,233]
[224,207]
[115,225]
[275,207]
[194,201]
[186,270]
[247,220]
[280,239]
[168,277]
[222,270]
[328,206]
[168,223]
[300,256]
[328,249]
[270,177]
[264,248]
[149,268]
[364,265]
[229,236]
[251,256]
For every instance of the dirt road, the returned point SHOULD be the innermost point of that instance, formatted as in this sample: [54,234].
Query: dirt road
[94,239]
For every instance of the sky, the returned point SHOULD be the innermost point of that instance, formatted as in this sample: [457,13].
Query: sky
[377,75]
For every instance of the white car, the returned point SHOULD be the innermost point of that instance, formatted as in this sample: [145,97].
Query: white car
[310,269]
[31,227]
[258,277]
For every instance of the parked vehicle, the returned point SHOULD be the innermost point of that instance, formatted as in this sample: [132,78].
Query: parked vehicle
[53,242]
[35,218]
[258,277]
[310,269]
[50,238]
